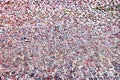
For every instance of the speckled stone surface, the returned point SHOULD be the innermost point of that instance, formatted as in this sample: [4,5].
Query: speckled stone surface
[59,40]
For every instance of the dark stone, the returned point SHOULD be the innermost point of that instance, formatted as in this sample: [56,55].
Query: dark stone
[100,78]
[23,38]
[95,78]
[32,74]
[91,79]
[56,77]
[116,66]
[105,74]
[13,72]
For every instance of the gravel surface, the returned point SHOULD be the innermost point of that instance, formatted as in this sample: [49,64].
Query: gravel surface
[59,39]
